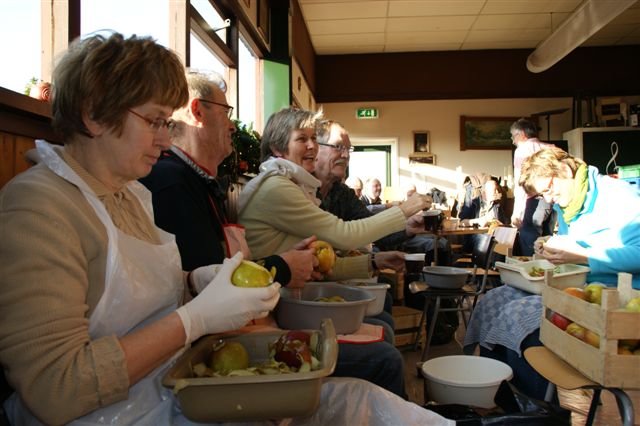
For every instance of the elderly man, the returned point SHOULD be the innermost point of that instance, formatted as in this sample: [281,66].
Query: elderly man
[371,196]
[187,199]
[189,203]
[355,184]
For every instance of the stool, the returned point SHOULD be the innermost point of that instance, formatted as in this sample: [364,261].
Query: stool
[559,373]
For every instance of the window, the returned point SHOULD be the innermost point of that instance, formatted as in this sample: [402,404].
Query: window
[248,85]
[20,30]
[140,17]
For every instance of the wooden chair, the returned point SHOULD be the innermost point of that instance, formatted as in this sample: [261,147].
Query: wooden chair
[561,374]
[481,257]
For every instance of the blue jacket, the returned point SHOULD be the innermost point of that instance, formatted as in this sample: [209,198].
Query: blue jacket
[609,227]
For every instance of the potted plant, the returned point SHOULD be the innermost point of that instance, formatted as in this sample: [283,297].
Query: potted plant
[245,159]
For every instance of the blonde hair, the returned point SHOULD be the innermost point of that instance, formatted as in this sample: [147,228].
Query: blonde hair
[547,162]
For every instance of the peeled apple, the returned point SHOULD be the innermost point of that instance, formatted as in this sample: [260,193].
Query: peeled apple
[325,254]
[250,274]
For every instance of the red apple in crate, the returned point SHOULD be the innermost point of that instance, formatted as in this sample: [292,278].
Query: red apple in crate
[560,321]
[576,292]
[576,331]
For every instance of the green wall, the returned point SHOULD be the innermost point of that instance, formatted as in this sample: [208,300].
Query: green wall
[276,87]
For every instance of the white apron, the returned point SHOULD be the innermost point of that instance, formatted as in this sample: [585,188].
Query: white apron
[143,283]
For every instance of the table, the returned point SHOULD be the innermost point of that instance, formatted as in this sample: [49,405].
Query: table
[468,230]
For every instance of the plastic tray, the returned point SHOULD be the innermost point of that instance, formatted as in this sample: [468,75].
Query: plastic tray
[299,310]
[249,398]
[517,275]
[378,290]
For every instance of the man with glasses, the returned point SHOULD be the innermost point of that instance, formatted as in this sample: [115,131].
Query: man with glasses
[533,216]
[188,200]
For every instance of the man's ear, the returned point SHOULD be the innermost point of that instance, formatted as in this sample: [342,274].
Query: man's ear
[195,108]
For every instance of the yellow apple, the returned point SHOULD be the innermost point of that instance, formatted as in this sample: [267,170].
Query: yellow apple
[576,331]
[250,274]
[633,305]
[592,338]
[325,254]
[594,292]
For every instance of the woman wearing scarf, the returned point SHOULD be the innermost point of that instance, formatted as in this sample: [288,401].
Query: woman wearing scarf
[598,226]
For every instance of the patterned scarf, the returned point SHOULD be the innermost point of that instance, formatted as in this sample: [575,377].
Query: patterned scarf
[579,191]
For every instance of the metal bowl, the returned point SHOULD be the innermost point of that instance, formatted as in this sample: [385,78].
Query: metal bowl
[299,310]
[445,277]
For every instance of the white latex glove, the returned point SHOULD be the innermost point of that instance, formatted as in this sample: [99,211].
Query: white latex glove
[202,276]
[222,306]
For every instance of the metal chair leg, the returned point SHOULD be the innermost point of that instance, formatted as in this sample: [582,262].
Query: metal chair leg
[595,401]
[432,327]
[423,319]
[625,406]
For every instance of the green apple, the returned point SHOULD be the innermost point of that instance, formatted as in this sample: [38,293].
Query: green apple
[633,305]
[229,356]
[594,292]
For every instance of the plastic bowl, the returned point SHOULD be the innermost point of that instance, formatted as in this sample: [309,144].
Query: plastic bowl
[299,310]
[445,277]
[518,275]
[378,290]
[465,379]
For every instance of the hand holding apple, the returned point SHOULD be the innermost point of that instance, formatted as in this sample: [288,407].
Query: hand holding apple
[325,254]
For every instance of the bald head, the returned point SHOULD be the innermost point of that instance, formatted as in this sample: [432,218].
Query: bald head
[355,184]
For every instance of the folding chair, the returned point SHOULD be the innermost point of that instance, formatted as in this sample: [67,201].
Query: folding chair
[481,258]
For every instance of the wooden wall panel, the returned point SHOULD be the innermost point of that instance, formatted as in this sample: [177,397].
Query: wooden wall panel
[481,74]
[12,155]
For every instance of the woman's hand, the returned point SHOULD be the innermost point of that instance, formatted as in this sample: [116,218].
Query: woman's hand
[562,249]
[390,260]
[415,203]
[415,225]
[223,307]
[538,244]
[301,261]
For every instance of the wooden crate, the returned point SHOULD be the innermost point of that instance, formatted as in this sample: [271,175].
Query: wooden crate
[610,321]
[407,321]
[396,280]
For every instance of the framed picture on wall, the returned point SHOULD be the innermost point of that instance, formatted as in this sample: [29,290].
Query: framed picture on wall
[421,141]
[485,132]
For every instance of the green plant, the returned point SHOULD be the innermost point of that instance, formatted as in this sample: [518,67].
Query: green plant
[30,84]
[245,158]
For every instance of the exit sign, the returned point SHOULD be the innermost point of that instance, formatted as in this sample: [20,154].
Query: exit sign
[367,113]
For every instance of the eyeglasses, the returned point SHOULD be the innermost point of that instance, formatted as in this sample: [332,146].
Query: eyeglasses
[156,124]
[343,149]
[228,108]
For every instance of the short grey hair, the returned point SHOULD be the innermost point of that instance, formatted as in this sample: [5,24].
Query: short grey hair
[201,84]
[280,126]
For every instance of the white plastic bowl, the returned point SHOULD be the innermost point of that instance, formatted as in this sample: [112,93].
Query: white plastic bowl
[378,290]
[465,379]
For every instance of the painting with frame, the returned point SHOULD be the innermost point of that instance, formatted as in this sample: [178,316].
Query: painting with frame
[485,132]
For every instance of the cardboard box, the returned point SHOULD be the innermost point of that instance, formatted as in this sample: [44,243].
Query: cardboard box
[610,321]
[407,320]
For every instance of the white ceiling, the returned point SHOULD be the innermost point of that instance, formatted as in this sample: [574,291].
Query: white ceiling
[378,26]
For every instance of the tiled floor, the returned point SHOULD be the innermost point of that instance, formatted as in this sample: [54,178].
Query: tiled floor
[577,401]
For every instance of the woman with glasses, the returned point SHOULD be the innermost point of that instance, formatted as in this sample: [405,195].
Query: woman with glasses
[599,226]
[598,216]
[92,293]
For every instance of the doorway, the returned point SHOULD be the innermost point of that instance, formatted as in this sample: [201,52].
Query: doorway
[375,158]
